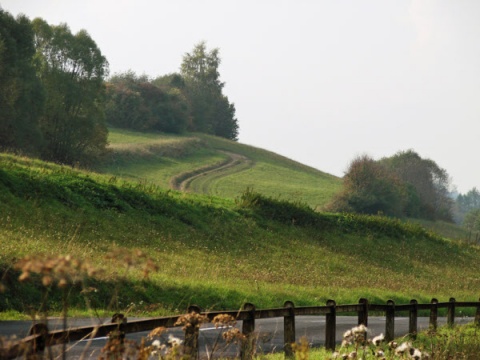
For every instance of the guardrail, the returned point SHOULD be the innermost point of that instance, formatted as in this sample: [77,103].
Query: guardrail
[40,337]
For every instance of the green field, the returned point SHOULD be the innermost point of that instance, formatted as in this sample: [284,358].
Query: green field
[217,252]
[157,158]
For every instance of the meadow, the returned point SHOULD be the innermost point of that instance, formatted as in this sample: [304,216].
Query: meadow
[119,239]
[212,251]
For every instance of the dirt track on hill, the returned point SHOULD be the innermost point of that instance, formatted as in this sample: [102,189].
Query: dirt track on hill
[183,181]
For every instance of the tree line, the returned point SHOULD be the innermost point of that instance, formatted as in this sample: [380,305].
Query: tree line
[405,185]
[56,96]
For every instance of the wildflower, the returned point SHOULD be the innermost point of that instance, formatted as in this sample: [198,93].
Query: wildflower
[403,348]
[352,355]
[224,320]
[173,341]
[346,343]
[156,343]
[356,334]
[392,344]
[359,329]
[191,320]
[378,339]
[157,332]
[415,354]
[62,269]
[379,353]
[233,335]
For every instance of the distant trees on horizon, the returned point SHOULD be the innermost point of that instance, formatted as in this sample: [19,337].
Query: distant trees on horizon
[56,98]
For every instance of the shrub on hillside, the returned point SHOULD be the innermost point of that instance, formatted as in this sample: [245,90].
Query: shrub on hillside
[404,185]
[282,211]
[369,188]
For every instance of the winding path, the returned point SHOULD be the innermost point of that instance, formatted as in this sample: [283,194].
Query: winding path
[233,164]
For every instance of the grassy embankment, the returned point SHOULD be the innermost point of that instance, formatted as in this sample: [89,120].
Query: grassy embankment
[212,251]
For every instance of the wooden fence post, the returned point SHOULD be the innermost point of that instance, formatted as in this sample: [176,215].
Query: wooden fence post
[289,330]
[363,314]
[330,326]
[413,316]
[477,315]
[40,342]
[434,314]
[191,335]
[390,321]
[248,328]
[451,312]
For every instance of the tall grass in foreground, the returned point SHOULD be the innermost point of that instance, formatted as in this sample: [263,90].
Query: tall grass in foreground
[447,343]
[63,272]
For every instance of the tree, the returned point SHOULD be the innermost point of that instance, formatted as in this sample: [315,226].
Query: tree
[404,185]
[369,188]
[135,102]
[21,92]
[469,201]
[72,69]
[472,220]
[428,185]
[211,111]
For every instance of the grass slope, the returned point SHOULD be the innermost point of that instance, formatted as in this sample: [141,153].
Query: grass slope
[158,158]
[211,251]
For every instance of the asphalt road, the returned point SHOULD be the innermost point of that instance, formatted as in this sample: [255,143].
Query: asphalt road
[269,333]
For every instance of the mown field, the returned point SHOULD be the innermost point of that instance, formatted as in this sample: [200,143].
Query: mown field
[217,252]
[156,158]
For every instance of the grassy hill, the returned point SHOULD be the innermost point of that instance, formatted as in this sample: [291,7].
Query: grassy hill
[157,158]
[217,252]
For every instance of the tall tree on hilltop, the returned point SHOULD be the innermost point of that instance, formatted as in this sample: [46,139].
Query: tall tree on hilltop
[72,69]
[21,92]
[211,111]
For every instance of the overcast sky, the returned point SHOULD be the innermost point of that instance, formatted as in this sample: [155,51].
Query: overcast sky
[317,81]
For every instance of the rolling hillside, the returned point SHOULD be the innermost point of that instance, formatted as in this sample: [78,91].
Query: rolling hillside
[214,166]
[212,251]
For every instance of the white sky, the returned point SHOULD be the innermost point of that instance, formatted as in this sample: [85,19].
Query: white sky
[318,81]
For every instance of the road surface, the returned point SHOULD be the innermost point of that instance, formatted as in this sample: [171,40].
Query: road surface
[269,333]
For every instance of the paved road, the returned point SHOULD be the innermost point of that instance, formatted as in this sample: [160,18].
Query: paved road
[269,332]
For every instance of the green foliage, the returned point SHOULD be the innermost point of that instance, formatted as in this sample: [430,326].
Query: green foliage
[281,211]
[459,342]
[212,113]
[134,102]
[430,183]
[472,220]
[370,189]
[404,185]
[72,69]
[466,203]
[21,93]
